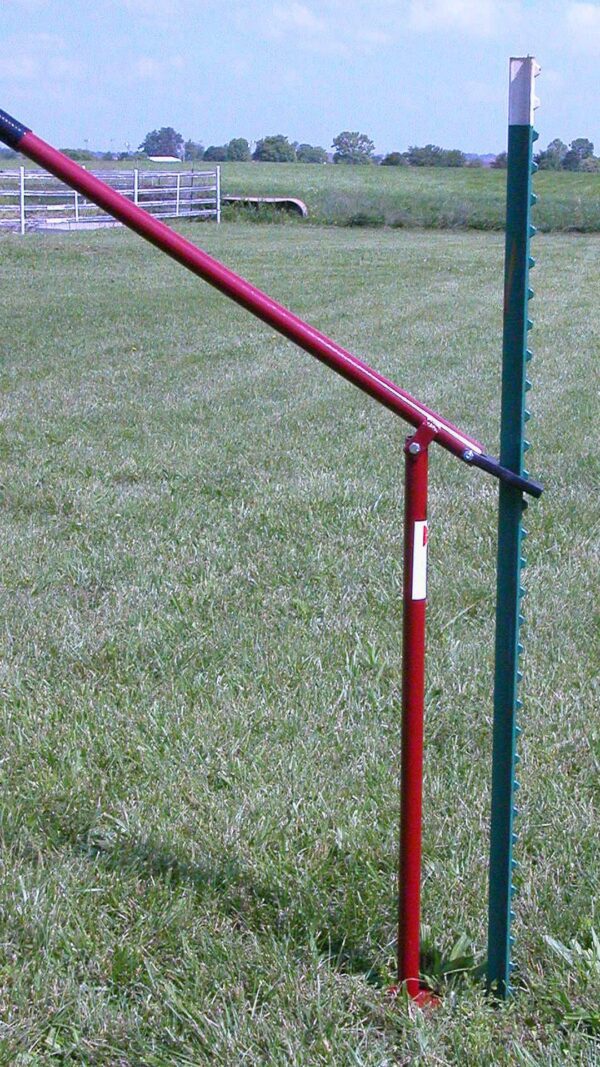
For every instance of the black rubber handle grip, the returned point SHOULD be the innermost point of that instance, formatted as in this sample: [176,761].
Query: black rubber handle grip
[492,466]
[11,131]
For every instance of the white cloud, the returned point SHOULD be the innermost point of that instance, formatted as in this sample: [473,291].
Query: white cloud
[61,67]
[583,26]
[49,43]
[371,36]
[162,9]
[297,17]
[146,68]
[379,22]
[20,67]
[330,30]
[479,18]
[30,5]
[39,56]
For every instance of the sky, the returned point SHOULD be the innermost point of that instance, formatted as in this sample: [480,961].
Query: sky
[402,71]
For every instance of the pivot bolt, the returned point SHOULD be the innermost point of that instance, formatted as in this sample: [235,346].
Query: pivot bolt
[468,455]
[414,448]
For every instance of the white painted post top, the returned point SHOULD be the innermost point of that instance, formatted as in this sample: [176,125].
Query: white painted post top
[522,100]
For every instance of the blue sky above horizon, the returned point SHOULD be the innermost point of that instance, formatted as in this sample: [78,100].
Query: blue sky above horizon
[402,71]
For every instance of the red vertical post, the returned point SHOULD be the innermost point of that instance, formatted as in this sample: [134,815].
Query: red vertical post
[413,701]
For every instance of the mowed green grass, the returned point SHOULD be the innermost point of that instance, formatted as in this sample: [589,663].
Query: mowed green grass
[201,636]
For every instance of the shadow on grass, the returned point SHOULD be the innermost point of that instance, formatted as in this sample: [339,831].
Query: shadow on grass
[241,897]
[237,890]
[262,905]
[348,958]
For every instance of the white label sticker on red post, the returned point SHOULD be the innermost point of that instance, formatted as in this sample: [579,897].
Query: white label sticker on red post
[419,568]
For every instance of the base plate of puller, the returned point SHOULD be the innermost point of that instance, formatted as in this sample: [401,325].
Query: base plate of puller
[425,999]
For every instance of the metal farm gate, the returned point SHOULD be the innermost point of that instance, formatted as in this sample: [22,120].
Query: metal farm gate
[36,200]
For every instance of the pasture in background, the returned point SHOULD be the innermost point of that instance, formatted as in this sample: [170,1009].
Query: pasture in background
[429,197]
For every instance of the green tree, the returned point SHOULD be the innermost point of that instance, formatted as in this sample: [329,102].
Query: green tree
[552,157]
[78,153]
[394,159]
[431,155]
[579,149]
[215,153]
[238,149]
[274,149]
[591,165]
[501,161]
[311,153]
[163,142]
[193,150]
[426,156]
[453,157]
[352,147]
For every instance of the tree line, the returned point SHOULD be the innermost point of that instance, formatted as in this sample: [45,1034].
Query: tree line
[578,155]
[350,147]
[353,147]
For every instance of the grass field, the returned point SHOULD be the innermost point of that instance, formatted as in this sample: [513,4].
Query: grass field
[436,198]
[201,584]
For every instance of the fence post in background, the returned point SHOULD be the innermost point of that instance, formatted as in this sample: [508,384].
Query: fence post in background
[136,185]
[22,199]
[514,415]
[177,195]
[414,594]
[76,206]
[218,169]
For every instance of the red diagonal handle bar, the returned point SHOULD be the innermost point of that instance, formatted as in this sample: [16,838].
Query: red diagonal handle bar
[251,298]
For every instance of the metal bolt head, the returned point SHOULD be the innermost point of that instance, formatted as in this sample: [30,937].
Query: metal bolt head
[414,448]
[468,455]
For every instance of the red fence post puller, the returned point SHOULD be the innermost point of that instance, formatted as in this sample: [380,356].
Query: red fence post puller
[414,600]
[430,427]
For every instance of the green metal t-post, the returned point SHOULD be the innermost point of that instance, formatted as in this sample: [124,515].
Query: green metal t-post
[514,415]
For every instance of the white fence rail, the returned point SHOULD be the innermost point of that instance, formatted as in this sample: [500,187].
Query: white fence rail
[35,200]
